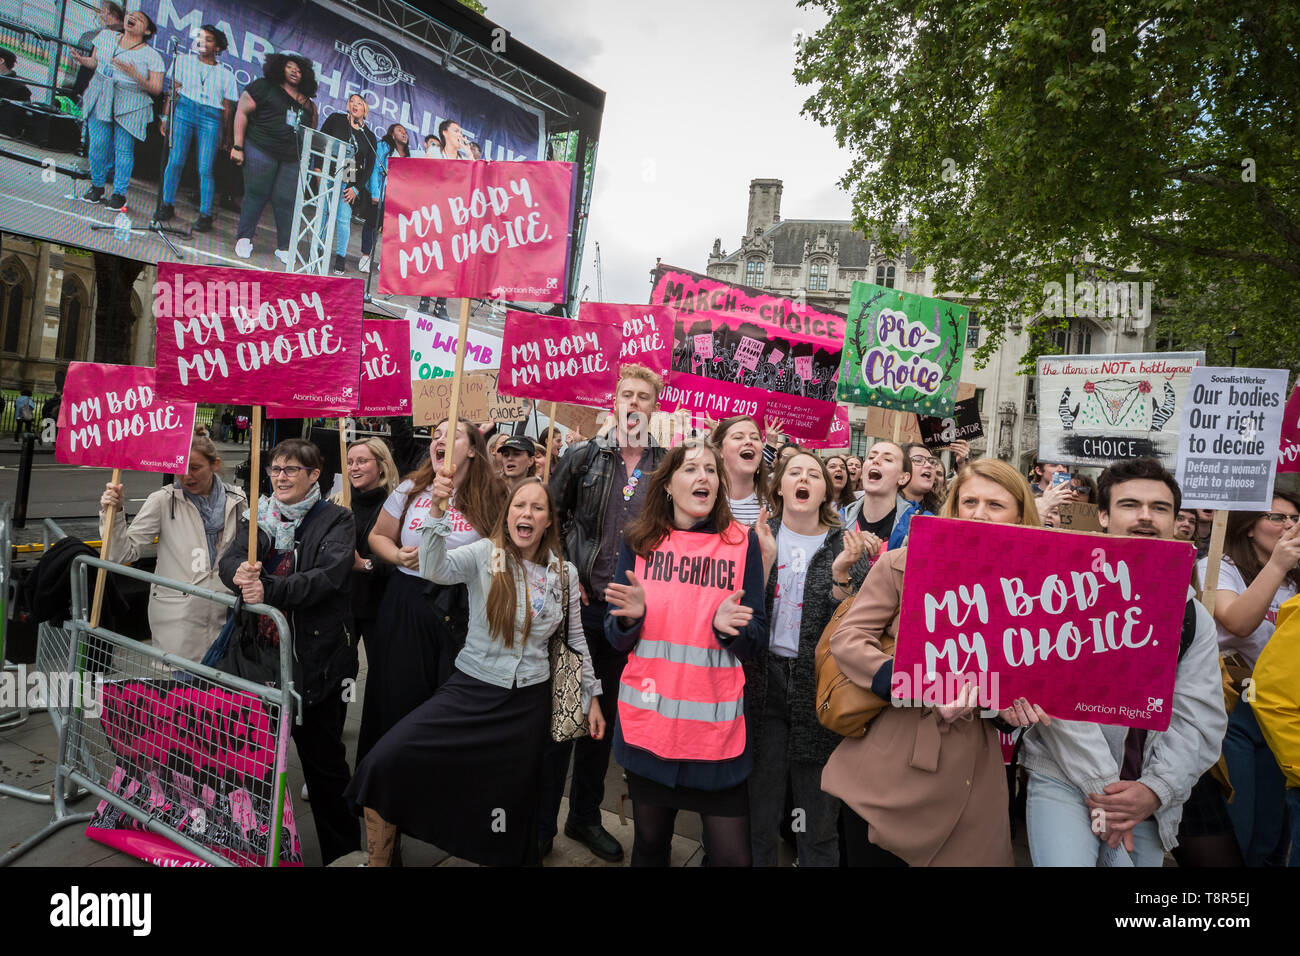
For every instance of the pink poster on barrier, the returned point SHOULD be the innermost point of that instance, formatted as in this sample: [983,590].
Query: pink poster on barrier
[837,437]
[1087,626]
[111,417]
[1288,456]
[478,229]
[646,330]
[385,367]
[258,338]
[751,350]
[559,360]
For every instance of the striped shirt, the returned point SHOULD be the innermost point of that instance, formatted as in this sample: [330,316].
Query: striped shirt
[745,510]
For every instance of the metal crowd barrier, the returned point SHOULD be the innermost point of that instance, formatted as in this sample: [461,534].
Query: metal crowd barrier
[164,717]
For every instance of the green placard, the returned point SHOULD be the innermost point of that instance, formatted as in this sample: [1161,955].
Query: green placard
[902,351]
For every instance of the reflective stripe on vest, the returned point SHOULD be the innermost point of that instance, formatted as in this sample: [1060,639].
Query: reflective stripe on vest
[682,694]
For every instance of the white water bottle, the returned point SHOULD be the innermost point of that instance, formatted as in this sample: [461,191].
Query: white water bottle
[122,227]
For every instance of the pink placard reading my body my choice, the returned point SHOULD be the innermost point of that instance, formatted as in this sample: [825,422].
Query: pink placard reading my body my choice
[1086,626]
[646,332]
[258,338]
[559,360]
[113,418]
[385,367]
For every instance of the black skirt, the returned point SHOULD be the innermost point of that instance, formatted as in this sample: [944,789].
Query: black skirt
[462,771]
[410,652]
[1205,812]
[732,802]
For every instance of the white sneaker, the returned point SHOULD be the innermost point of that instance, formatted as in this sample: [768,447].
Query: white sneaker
[304,793]
[364,264]
[244,248]
[283,256]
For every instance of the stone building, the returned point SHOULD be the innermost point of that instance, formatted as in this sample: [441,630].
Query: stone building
[818,260]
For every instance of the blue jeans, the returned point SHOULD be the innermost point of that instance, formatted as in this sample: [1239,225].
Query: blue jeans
[1060,830]
[343,231]
[1258,806]
[267,179]
[1293,806]
[203,123]
[110,141]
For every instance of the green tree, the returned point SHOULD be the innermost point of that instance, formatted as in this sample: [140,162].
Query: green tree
[1019,142]
[475,6]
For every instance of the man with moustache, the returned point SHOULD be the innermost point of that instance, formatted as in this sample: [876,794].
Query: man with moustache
[1101,795]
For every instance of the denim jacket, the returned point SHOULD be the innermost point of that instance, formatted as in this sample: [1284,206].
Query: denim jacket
[487,658]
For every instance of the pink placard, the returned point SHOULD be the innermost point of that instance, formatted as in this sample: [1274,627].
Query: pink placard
[837,437]
[803,366]
[274,412]
[258,338]
[646,332]
[113,418]
[1087,626]
[1288,456]
[776,357]
[559,360]
[385,367]
[802,417]
[704,345]
[458,229]
[748,352]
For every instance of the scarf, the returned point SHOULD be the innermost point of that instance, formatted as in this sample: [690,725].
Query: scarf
[212,512]
[281,521]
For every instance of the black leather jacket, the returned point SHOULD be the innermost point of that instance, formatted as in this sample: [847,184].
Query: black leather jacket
[580,487]
[315,597]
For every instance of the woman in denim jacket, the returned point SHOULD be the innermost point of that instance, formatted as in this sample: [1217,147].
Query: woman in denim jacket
[462,770]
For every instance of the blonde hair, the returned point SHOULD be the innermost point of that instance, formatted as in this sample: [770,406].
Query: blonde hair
[1003,474]
[204,446]
[388,476]
[633,370]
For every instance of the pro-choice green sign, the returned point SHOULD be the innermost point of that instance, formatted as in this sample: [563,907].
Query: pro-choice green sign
[902,351]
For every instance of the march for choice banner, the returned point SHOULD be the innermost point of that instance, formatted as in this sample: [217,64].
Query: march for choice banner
[1086,626]
[646,332]
[559,360]
[740,351]
[902,350]
[1288,455]
[258,338]
[433,347]
[477,229]
[112,417]
[1097,409]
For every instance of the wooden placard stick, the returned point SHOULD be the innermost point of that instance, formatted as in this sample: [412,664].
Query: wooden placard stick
[101,578]
[1210,586]
[550,437]
[254,482]
[458,377]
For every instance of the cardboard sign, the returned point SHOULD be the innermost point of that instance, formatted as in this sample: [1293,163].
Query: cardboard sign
[491,230]
[581,419]
[1097,409]
[114,418]
[963,424]
[1078,516]
[385,368]
[433,347]
[902,351]
[1086,626]
[560,360]
[741,351]
[1231,430]
[880,421]
[646,332]
[837,437]
[246,337]
[1288,455]
[479,400]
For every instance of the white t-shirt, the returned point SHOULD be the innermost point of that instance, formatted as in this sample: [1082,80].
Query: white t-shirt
[745,510]
[793,553]
[207,85]
[462,532]
[1230,580]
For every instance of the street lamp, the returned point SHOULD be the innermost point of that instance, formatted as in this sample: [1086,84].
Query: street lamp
[1234,340]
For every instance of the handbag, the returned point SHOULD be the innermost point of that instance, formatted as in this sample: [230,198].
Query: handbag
[568,722]
[843,706]
[218,649]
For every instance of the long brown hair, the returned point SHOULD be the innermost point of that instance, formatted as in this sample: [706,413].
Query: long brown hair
[481,496]
[762,487]
[826,514]
[930,500]
[502,596]
[846,496]
[1240,550]
[656,521]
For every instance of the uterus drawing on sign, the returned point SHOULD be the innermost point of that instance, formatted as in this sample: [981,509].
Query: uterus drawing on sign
[1117,404]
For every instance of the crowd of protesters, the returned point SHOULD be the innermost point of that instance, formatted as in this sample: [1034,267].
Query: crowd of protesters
[457,575]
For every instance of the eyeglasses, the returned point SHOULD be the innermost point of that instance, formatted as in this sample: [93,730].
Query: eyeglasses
[290,471]
[924,460]
[1278,518]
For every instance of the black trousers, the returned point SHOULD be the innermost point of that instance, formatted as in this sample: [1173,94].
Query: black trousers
[319,740]
[590,757]
[858,848]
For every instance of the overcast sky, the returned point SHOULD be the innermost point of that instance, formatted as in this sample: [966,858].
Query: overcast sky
[700,99]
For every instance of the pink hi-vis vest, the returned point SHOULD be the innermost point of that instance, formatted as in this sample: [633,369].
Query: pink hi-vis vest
[682,695]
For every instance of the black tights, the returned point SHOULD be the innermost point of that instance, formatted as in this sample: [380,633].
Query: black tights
[726,839]
[1217,849]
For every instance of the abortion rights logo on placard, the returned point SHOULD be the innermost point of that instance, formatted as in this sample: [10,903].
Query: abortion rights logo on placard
[902,351]
[385,368]
[112,417]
